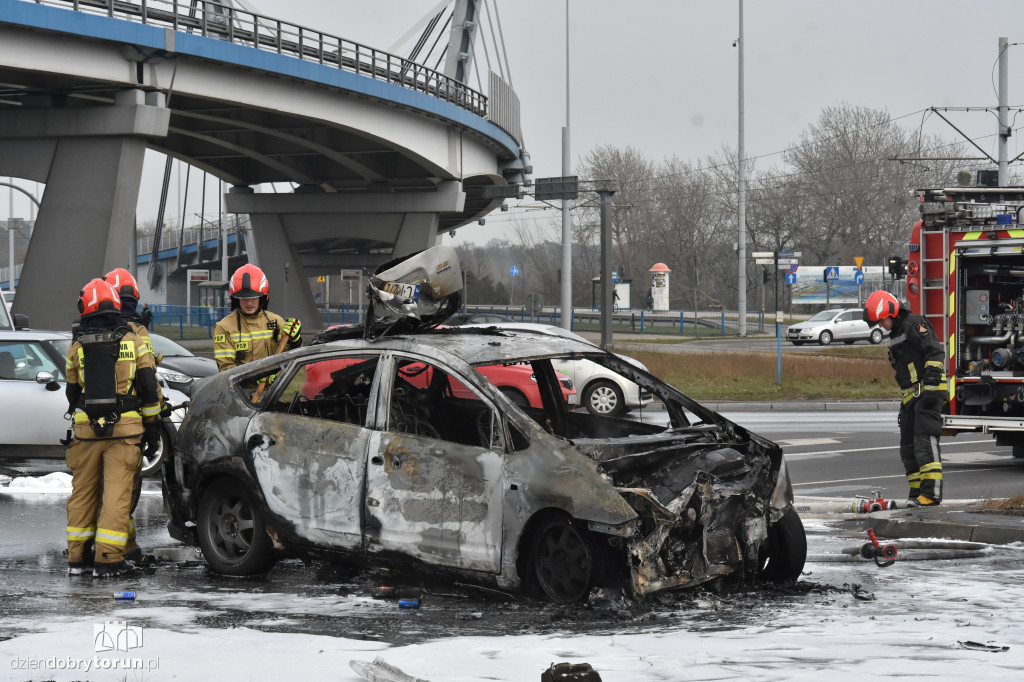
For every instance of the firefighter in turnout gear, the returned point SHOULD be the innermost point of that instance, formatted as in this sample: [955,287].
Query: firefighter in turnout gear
[916,355]
[128,291]
[112,393]
[251,332]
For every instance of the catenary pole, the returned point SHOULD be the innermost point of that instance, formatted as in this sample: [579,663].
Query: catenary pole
[565,288]
[1004,97]
[741,197]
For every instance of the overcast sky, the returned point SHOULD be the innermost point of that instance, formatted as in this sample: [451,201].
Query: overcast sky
[661,76]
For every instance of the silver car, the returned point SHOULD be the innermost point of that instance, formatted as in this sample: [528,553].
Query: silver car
[32,384]
[842,324]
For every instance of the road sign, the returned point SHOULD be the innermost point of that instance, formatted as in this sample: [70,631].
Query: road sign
[858,277]
[786,262]
[321,279]
[554,189]
[790,254]
[859,260]
[793,267]
[615,275]
[514,270]
[763,254]
[764,261]
[790,278]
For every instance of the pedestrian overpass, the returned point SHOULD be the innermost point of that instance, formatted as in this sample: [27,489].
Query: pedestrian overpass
[383,153]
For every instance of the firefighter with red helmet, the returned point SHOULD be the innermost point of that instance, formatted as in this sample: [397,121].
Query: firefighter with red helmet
[251,332]
[128,291]
[113,398]
[916,355]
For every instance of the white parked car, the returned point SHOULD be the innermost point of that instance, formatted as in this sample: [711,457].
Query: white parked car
[841,324]
[32,384]
[602,391]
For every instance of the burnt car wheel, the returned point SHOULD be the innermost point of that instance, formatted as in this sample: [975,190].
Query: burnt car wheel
[876,336]
[151,465]
[784,552]
[563,560]
[604,399]
[232,530]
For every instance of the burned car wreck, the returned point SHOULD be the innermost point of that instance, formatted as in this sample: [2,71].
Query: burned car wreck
[388,444]
[405,454]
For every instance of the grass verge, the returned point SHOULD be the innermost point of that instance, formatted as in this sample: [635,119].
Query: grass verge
[845,374]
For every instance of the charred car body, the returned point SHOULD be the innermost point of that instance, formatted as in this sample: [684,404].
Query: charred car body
[454,475]
[389,445]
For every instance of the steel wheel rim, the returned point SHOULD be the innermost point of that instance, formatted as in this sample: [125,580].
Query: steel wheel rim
[603,399]
[563,564]
[231,528]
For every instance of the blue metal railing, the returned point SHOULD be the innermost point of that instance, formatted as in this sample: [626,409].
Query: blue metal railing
[224,22]
[197,322]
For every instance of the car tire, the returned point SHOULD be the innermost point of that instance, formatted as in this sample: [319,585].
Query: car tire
[562,560]
[785,550]
[604,399]
[825,338]
[1017,451]
[876,336]
[232,530]
[516,397]
[151,465]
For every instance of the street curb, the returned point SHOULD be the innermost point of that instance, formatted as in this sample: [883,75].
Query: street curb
[803,406]
[993,529]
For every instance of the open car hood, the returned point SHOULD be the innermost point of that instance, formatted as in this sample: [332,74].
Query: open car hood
[414,292]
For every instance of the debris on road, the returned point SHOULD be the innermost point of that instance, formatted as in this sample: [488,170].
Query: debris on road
[978,646]
[381,671]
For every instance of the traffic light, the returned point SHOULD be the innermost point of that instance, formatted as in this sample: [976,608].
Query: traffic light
[897,269]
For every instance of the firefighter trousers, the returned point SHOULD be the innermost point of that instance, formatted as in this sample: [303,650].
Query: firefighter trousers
[920,422]
[102,483]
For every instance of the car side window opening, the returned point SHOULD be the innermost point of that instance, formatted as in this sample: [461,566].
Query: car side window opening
[22,361]
[334,389]
[428,401]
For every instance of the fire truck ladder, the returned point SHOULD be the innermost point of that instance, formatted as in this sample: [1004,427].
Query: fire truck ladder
[936,284]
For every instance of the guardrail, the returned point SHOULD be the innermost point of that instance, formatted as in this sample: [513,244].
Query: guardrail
[214,20]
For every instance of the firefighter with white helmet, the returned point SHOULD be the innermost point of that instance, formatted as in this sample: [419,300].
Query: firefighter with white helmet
[916,355]
[112,393]
[251,332]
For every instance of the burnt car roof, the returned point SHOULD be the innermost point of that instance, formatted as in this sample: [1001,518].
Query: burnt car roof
[476,346]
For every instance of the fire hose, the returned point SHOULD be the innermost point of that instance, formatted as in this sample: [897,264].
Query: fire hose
[906,550]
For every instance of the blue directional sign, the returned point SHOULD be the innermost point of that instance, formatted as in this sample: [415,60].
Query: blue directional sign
[858,278]
[514,270]
[615,275]
[831,273]
[790,278]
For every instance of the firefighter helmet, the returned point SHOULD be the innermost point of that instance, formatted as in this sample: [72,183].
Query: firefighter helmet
[123,282]
[96,298]
[879,306]
[249,282]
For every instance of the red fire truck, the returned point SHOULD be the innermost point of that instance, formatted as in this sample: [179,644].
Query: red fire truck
[965,274]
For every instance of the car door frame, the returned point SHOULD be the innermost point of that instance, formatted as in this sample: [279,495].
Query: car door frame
[414,483]
[318,487]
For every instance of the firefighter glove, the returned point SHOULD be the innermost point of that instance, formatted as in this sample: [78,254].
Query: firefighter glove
[151,439]
[292,327]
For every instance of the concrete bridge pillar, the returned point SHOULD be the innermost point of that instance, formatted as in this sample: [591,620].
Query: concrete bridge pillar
[317,233]
[91,161]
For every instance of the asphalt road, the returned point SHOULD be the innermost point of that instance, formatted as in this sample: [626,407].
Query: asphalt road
[836,454]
